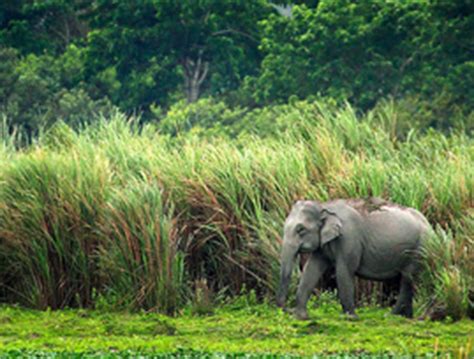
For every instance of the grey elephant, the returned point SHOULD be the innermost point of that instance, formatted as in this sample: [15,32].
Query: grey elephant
[370,238]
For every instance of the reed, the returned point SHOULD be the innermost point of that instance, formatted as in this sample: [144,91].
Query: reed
[137,217]
[49,207]
[139,259]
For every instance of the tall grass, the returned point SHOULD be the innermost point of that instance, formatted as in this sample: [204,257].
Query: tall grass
[138,217]
[49,209]
[448,281]
[139,256]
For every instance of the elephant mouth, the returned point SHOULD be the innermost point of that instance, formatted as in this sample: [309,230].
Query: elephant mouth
[305,250]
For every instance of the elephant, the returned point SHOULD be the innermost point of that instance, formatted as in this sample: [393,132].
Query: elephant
[369,238]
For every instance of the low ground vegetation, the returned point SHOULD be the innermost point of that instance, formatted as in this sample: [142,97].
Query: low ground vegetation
[238,327]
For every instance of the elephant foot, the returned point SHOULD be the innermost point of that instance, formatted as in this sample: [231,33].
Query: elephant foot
[300,314]
[408,315]
[403,311]
[350,316]
[280,303]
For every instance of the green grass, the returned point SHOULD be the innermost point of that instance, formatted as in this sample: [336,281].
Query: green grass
[233,328]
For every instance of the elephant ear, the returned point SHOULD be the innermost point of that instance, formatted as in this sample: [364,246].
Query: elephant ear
[331,227]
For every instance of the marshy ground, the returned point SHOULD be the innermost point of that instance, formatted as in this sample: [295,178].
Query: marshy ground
[232,329]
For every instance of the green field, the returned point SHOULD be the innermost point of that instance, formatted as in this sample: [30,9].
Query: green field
[232,329]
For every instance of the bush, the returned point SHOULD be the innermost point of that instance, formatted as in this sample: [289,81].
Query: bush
[36,91]
[206,117]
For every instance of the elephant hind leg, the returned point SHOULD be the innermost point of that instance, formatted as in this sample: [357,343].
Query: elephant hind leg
[404,305]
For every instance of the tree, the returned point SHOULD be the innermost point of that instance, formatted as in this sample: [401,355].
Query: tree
[159,47]
[8,76]
[449,49]
[342,48]
[36,91]
[38,26]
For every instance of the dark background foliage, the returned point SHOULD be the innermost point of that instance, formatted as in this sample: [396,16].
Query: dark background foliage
[71,60]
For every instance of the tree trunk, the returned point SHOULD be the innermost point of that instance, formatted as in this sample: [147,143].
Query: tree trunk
[195,73]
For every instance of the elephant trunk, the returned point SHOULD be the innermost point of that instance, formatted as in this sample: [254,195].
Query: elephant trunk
[288,255]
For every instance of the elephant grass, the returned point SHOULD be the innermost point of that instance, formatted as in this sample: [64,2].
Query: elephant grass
[139,255]
[449,263]
[122,212]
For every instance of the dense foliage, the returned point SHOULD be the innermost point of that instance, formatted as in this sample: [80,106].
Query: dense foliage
[130,216]
[68,60]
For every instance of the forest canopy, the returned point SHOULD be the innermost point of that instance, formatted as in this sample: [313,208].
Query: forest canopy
[71,60]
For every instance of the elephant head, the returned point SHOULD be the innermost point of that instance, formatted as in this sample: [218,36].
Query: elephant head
[308,227]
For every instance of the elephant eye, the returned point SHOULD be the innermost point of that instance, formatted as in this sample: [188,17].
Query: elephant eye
[301,230]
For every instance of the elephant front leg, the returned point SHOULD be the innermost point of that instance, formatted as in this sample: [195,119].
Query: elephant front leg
[313,270]
[345,286]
